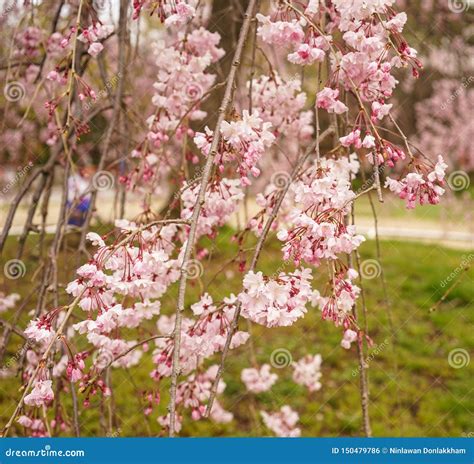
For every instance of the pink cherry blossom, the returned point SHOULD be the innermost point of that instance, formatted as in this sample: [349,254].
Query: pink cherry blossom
[282,423]
[349,337]
[306,372]
[327,99]
[258,380]
[41,394]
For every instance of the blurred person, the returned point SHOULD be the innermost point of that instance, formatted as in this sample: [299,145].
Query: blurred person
[79,196]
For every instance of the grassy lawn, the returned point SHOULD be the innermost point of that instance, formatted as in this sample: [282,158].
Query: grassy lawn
[414,391]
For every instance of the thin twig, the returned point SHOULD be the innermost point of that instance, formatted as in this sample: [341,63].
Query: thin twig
[226,102]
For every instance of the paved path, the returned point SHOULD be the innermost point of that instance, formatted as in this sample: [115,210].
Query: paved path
[452,233]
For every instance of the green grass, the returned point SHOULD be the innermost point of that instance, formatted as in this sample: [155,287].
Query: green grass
[414,391]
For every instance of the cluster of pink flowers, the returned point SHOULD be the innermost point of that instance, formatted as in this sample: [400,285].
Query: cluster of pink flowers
[282,104]
[182,60]
[258,380]
[418,187]
[338,305]
[384,151]
[28,42]
[194,392]
[41,395]
[93,35]
[182,79]
[182,12]
[142,269]
[174,14]
[349,337]
[200,338]
[328,100]
[245,141]
[323,237]
[221,200]
[307,48]
[36,427]
[276,302]
[307,372]
[39,330]
[282,423]
[317,228]
[8,301]
[280,33]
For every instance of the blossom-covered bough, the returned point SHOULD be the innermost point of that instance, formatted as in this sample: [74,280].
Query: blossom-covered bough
[266,141]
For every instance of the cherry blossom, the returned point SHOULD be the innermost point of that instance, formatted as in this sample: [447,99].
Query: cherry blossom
[306,372]
[8,301]
[258,380]
[122,308]
[328,100]
[349,337]
[276,302]
[93,35]
[282,423]
[245,140]
[41,394]
[418,187]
